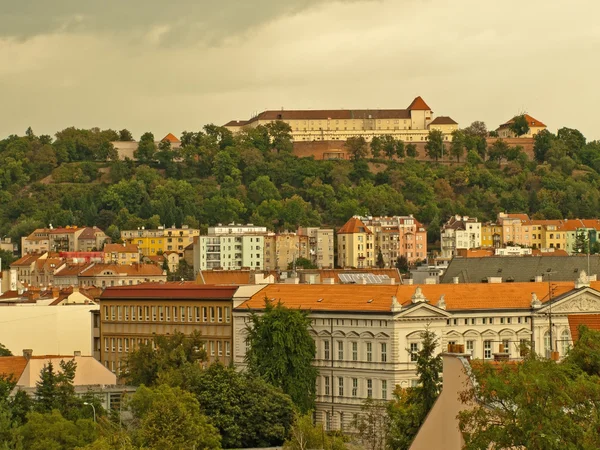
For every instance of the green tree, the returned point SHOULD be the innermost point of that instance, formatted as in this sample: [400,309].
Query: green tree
[171,418]
[582,242]
[388,144]
[457,149]
[402,264]
[519,125]
[574,140]
[55,390]
[3,350]
[400,149]
[411,150]
[146,149]
[125,135]
[373,424]
[380,262]
[498,151]
[262,189]
[435,144]
[51,431]
[282,350]
[301,263]
[281,136]
[305,435]
[586,353]
[376,147]
[542,144]
[357,147]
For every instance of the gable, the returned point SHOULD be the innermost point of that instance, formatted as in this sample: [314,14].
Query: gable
[586,300]
[424,310]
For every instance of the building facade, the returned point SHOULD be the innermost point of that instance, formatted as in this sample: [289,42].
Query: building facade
[132,315]
[320,242]
[356,244]
[121,254]
[460,232]
[411,124]
[535,126]
[282,249]
[153,242]
[367,337]
[63,239]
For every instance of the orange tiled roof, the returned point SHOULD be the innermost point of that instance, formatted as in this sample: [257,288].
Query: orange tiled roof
[121,248]
[128,270]
[592,321]
[171,138]
[530,120]
[354,225]
[89,233]
[12,365]
[418,104]
[71,270]
[356,297]
[26,260]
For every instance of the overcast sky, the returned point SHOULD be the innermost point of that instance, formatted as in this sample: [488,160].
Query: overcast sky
[168,66]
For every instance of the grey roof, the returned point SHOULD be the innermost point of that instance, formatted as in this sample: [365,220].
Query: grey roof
[520,268]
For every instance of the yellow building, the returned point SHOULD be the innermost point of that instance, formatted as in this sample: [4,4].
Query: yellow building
[491,235]
[153,242]
[284,248]
[121,254]
[355,245]
[411,124]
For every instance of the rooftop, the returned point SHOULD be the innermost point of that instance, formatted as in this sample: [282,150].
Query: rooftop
[592,321]
[530,120]
[354,225]
[169,291]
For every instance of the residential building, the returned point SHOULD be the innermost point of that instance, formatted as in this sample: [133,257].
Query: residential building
[367,337]
[63,239]
[460,232]
[398,236]
[535,126]
[131,315]
[282,249]
[411,124]
[153,242]
[51,322]
[121,254]
[171,259]
[126,149]
[586,229]
[8,245]
[320,242]
[512,251]
[104,275]
[355,244]
[491,235]
[231,247]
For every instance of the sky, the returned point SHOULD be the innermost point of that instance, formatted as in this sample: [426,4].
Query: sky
[152,65]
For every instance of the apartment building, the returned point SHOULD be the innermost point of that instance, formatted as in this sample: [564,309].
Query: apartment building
[367,336]
[460,232]
[105,275]
[121,254]
[320,242]
[410,124]
[491,235]
[282,249]
[131,315]
[228,247]
[356,244]
[63,239]
[153,242]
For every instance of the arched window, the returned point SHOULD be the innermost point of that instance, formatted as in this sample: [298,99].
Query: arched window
[547,344]
[565,342]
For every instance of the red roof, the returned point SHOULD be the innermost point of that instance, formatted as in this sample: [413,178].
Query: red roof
[530,121]
[171,138]
[170,291]
[354,225]
[13,365]
[443,120]
[121,248]
[418,104]
[592,321]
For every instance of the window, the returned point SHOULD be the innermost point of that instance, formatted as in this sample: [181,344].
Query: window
[168,311]
[506,344]
[369,388]
[220,348]
[126,312]
[354,387]
[126,344]
[212,348]
[325,349]
[383,352]
[547,343]
[154,314]
[106,347]
[414,349]
[340,350]
[327,420]
[105,312]
[182,313]
[197,313]
[227,348]
[161,314]
[204,314]
[120,344]
[384,389]
[220,314]
[119,316]
[189,313]
[355,351]
[112,344]
[227,317]
[147,313]
[369,352]
[212,313]
[112,313]
[175,314]
[565,342]
[326,384]
[524,346]
[471,348]
[340,386]
[487,349]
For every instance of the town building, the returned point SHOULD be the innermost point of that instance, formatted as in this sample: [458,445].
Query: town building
[121,254]
[491,235]
[355,244]
[231,247]
[104,275]
[52,321]
[460,232]
[63,239]
[320,242]
[367,337]
[535,126]
[153,242]
[131,315]
[410,124]
[283,249]
[8,245]
[126,149]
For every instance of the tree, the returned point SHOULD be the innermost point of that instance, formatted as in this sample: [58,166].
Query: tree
[55,390]
[389,145]
[171,418]
[574,140]
[372,424]
[376,147]
[52,431]
[519,125]
[3,350]
[125,135]
[146,149]
[586,353]
[411,150]
[477,128]
[435,144]
[281,136]
[380,262]
[402,264]
[305,435]
[301,263]
[170,355]
[457,149]
[410,407]
[282,350]
[537,404]
[498,151]
[400,149]
[542,144]
[357,147]
[582,242]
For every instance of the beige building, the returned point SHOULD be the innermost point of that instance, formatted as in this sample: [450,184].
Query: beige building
[8,245]
[535,126]
[367,336]
[104,275]
[153,242]
[131,315]
[282,249]
[320,243]
[121,254]
[458,233]
[411,124]
[126,149]
[355,244]
[64,239]
[398,236]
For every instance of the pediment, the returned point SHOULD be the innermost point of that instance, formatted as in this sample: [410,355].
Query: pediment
[424,310]
[586,300]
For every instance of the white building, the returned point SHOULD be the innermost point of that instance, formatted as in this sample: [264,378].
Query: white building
[460,232]
[320,246]
[366,336]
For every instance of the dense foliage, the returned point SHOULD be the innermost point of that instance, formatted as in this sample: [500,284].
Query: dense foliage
[76,179]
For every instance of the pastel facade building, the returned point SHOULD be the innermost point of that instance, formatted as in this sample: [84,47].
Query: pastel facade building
[356,244]
[460,233]
[63,239]
[121,254]
[410,124]
[282,249]
[320,242]
[160,240]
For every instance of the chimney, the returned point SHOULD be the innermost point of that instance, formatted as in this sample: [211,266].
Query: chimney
[409,281]
[328,281]
[538,278]
[455,280]
[27,353]
[77,353]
